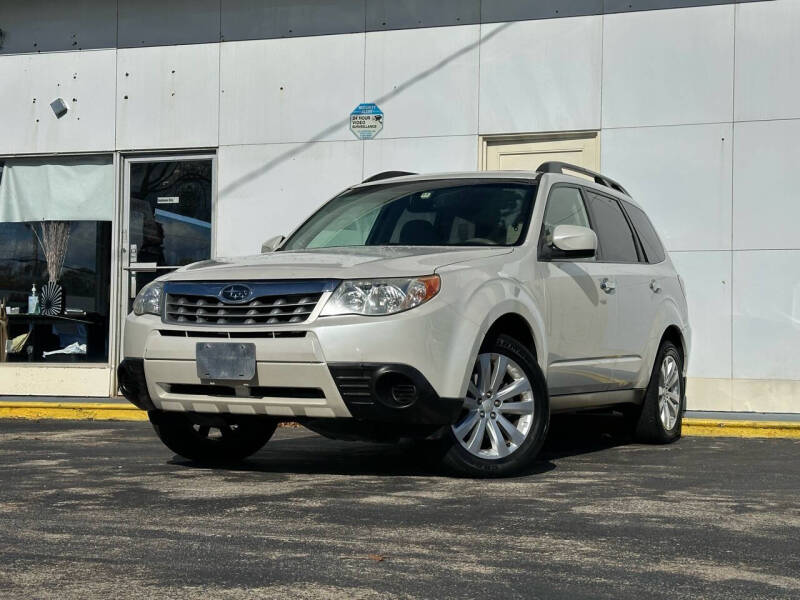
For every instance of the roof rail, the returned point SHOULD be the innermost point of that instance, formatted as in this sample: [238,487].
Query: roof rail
[387,175]
[559,167]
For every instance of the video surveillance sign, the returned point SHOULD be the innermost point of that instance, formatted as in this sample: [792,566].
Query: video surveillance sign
[366,121]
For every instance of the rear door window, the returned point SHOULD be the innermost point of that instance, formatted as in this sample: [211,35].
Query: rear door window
[651,245]
[615,237]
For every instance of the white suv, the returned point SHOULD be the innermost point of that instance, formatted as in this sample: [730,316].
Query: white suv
[463,307]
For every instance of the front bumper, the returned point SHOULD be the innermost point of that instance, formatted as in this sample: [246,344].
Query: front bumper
[367,392]
[298,367]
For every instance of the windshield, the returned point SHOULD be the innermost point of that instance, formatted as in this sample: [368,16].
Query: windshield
[421,213]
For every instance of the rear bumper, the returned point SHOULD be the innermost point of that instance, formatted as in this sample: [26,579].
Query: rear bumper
[389,393]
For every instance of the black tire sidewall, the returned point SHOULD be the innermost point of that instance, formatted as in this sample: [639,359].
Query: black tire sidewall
[649,427]
[463,462]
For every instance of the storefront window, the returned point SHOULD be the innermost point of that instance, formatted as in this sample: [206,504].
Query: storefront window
[69,263]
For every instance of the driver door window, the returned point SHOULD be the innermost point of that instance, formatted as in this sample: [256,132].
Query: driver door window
[564,207]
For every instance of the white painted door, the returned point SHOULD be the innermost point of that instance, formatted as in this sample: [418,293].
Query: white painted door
[527,153]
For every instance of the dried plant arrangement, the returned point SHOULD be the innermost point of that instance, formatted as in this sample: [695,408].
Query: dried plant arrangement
[53,237]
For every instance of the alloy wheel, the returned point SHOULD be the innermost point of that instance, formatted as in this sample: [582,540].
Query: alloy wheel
[498,409]
[669,392]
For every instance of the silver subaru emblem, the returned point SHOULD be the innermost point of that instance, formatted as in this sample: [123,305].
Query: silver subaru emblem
[235,293]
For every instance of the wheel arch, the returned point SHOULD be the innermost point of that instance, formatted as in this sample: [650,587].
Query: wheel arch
[674,334]
[514,325]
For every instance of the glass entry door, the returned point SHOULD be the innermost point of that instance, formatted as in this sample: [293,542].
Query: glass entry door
[167,218]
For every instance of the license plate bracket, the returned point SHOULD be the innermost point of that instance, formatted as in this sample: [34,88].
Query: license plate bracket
[226,361]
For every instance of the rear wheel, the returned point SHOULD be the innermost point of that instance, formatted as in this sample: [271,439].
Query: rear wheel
[659,420]
[505,416]
[212,439]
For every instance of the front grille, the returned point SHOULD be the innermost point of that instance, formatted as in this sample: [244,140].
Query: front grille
[268,303]
[233,334]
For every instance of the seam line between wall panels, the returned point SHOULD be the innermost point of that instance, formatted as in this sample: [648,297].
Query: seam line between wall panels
[733,170]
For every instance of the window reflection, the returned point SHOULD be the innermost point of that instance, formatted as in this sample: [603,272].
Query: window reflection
[85,280]
[170,219]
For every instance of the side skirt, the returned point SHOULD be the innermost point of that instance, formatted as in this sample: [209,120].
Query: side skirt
[569,402]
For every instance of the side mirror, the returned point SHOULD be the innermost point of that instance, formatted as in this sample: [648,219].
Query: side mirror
[575,241]
[272,244]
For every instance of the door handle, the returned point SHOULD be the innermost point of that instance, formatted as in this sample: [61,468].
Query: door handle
[608,286]
[654,286]
[141,267]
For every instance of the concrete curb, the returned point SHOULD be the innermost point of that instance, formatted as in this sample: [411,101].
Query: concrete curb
[72,410]
[743,429]
[127,412]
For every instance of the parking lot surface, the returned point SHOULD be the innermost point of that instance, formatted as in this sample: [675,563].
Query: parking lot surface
[102,509]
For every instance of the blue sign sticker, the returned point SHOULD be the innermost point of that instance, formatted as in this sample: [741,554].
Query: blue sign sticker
[366,121]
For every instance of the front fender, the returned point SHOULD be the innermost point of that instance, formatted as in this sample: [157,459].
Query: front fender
[488,300]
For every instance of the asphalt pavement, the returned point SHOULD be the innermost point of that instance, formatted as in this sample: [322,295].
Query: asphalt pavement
[102,509]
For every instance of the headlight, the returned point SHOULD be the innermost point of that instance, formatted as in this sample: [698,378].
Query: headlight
[381,296]
[149,299]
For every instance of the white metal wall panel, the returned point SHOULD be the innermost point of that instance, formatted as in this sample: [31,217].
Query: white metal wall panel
[30,82]
[168,97]
[766,314]
[267,190]
[707,276]
[541,75]
[681,176]
[421,155]
[767,56]
[424,80]
[668,67]
[766,201]
[290,90]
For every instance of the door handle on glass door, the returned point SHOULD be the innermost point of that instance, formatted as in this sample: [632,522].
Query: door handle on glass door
[608,286]
[654,286]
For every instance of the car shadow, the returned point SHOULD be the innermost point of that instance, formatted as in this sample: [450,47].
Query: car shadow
[585,433]
[299,451]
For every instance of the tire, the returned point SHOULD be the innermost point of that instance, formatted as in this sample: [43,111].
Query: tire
[659,420]
[230,440]
[472,446]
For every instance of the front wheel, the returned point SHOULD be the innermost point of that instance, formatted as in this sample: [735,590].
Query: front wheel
[505,416]
[212,439]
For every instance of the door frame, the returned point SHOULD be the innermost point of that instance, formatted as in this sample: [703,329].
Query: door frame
[484,141]
[120,235]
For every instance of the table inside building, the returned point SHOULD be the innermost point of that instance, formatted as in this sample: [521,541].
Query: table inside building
[53,332]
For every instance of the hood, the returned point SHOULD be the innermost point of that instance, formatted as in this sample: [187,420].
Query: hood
[361,262]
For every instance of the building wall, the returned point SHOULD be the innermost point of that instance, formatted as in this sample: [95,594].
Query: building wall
[698,108]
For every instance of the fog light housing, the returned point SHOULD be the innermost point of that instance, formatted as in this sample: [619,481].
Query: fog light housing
[396,390]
